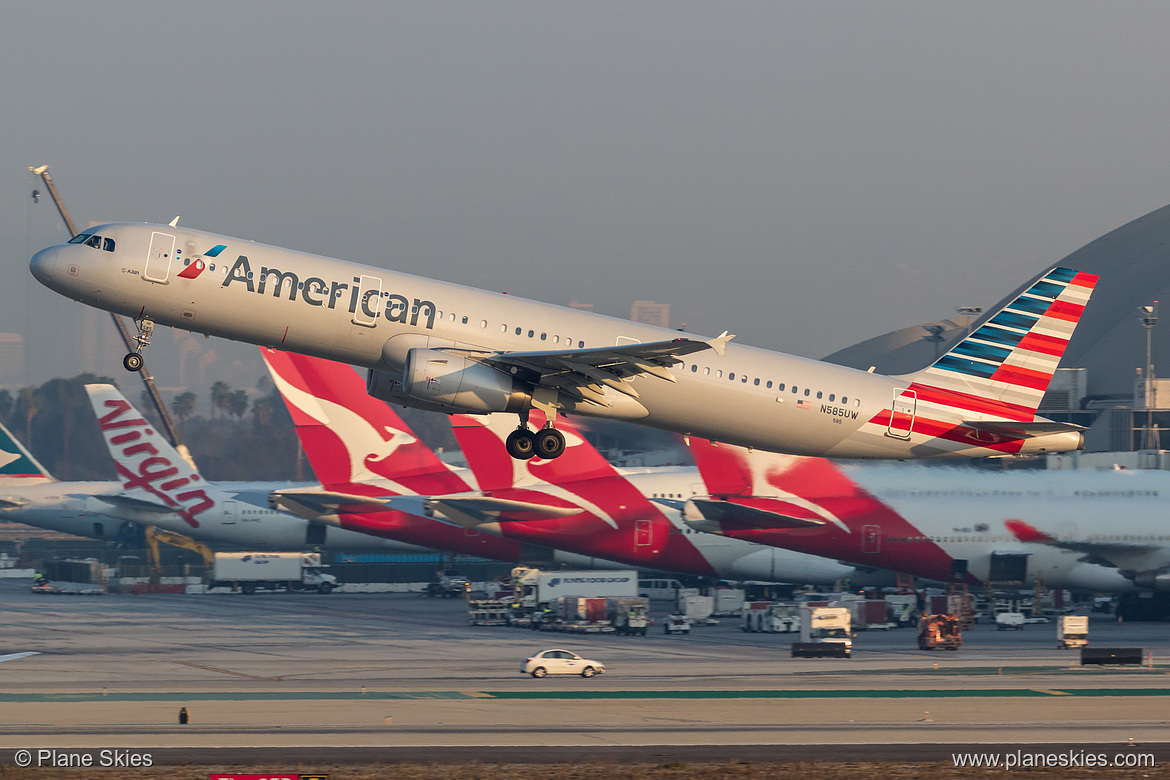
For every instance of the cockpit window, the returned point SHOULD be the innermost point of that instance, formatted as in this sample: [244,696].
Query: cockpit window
[108,244]
[81,238]
[95,242]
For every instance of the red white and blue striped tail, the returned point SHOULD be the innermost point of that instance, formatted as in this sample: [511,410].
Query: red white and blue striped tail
[1003,369]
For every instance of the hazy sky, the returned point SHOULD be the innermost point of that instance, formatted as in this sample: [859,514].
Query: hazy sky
[806,175]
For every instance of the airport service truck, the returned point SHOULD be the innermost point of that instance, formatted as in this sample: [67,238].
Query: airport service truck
[271,571]
[535,587]
[1072,631]
[825,632]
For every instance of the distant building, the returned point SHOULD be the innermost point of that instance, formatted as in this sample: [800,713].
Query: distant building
[11,359]
[651,313]
[581,306]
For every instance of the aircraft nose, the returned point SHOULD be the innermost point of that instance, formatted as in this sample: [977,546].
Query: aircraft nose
[44,265]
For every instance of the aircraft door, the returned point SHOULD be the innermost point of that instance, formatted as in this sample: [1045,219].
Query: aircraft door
[230,511]
[902,414]
[643,533]
[1008,568]
[871,538]
[158,259]
[369,301]
[315,534]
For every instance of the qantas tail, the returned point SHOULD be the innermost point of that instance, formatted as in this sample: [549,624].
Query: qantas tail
[154,477]
[1001,371]
[17,465]
[350,437]
[766,490]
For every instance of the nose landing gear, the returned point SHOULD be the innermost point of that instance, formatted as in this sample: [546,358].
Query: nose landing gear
[133,360]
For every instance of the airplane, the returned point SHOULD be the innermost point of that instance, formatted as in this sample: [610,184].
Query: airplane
[453,349]
[949,524]
[238,517]
[577,504]
[365,457]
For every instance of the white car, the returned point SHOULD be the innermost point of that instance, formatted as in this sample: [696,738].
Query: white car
[560,662]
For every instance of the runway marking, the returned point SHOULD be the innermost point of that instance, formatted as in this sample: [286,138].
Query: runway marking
[227,671]
[989,693]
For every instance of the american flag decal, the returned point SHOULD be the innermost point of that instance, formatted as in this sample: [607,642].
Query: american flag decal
[802,404]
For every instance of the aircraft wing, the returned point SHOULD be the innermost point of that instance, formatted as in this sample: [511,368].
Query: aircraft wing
[1025,430]
[585,373]
[12,502]
[468,511]
[769,513]
[1120,555]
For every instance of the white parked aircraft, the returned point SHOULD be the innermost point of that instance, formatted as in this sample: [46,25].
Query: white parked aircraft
[453,349]
[234,514]
[1093,531]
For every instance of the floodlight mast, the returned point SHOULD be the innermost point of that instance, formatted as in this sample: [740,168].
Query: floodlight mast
[169,429]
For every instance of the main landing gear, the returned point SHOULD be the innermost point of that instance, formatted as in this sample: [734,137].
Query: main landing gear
[133,360]
[524,444]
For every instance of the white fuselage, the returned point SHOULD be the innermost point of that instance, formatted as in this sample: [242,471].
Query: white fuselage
[374,317]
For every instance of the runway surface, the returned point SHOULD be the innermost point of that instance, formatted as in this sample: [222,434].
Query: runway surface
[400,678]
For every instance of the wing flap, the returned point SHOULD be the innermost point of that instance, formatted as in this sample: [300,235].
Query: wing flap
[772,513]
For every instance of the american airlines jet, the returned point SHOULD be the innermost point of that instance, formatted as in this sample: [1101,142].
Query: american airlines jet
[950,524]
[453,349]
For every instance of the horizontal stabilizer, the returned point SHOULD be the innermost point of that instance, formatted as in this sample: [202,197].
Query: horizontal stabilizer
[311,503]
[770,513]
[12,502]
[472,510]
[138,500]
[1024,430]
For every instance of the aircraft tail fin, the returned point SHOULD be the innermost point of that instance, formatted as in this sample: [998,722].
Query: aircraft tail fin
[351,437]
[17,464]
[1004,367]
[154,477]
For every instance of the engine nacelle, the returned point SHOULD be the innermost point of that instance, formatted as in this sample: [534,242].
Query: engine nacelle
[1156,579]
[456,384]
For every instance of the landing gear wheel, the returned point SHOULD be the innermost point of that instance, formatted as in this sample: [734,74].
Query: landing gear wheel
[521,444]
[132,362]
[550,443]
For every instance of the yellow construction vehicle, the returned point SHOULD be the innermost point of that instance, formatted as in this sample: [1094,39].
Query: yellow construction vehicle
[156,536]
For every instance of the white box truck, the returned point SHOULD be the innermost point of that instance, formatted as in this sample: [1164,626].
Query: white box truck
[824,632]
[536,587]
[1072,631]
[271,571]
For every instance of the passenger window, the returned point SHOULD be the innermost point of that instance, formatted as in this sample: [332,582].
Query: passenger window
[832,396]
[707,371]
[731,375]
[757,382]
[581,344]
[744,379]
[543,336]
[503,329]
[556,339]
[483,323]
[807,391]
[464,320]
[694,367]
[819,395]
[518,331]
[780,386]
[531,333]
[794,390]
[844,400]
[452,317]
[719,373]
[108,245]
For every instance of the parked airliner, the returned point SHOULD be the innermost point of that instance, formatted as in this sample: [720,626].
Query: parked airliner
[951,524]
[454,349]
[237,515]
[372,464]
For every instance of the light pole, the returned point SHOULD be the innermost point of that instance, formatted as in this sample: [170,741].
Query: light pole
[969,312]
[1149,320]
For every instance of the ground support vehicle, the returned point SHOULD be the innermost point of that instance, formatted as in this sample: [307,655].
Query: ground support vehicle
[629,615]
[677,624]
[824,626]
[939,632]
[1010,621]
[271,571]
[1072,631]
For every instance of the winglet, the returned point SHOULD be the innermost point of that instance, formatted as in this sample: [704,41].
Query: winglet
[719,343]
[174,222]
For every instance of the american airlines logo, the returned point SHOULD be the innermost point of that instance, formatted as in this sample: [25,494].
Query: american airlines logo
[315,291]
[154,473]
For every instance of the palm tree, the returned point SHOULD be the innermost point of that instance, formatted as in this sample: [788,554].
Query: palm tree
[220,393]
[183,405]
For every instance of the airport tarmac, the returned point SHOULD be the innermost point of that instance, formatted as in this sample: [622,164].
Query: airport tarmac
[364,674]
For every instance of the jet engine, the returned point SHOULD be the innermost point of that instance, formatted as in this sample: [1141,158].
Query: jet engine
[439,381]
[1154,579]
